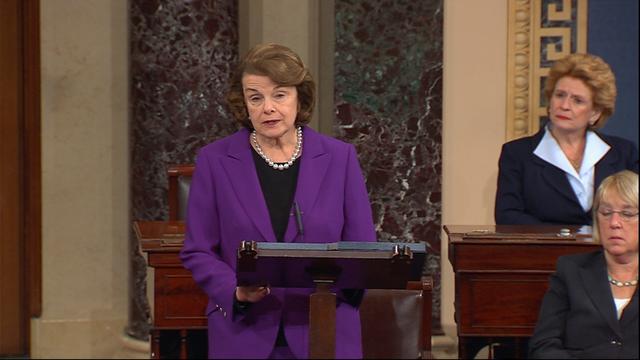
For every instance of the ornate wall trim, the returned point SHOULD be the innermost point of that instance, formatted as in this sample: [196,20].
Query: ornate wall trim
[539,32]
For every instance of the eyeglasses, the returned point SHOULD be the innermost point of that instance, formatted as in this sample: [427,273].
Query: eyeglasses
[625,215]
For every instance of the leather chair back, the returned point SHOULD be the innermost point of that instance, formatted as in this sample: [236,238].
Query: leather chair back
[179,183]
[396,324]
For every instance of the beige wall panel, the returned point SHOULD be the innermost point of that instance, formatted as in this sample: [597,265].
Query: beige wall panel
[474,93]
[85,177]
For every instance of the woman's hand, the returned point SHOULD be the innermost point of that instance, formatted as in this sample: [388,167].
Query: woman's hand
[251,294]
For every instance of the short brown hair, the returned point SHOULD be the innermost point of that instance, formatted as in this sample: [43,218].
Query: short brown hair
[625,183]
[595,73]
[285,68]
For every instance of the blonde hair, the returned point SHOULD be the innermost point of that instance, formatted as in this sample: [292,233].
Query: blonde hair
[285,68]
[625,183]
[596,75]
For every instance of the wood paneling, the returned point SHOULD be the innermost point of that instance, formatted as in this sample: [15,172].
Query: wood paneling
[12,326]
[31,160]
[20,219]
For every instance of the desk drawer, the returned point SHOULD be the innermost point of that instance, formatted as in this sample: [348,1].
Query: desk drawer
[499,304]
[516,256]
[178,301]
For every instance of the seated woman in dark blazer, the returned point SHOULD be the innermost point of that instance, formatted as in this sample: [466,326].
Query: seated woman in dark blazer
[591,307]
[550,177]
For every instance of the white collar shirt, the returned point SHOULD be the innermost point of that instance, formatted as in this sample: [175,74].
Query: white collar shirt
[582,183]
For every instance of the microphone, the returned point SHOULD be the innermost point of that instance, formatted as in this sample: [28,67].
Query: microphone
[299,220]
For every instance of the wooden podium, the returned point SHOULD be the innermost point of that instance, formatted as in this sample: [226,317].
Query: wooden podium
[327,267]
[502,274]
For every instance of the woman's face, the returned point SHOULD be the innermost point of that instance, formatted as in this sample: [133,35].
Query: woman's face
[272,108]
[618,225]
[571,106]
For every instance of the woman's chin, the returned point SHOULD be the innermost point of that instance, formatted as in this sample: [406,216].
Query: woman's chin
[618,250]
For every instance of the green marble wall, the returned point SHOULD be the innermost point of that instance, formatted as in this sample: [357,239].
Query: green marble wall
[388,98]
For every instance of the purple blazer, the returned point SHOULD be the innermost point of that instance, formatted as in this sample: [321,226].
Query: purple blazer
[226,206]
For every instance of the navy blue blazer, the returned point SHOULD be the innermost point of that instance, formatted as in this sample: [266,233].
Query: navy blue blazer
[533,191]
[578,317]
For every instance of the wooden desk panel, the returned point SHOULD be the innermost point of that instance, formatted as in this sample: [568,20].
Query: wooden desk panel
[178,301]
[502,274]
[179,304]
[499,304]
[511,256]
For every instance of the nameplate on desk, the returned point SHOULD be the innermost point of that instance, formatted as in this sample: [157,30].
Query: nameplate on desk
[172,242]
[519,236]
[583,233]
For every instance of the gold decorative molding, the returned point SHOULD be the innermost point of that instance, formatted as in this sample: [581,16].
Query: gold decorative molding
[539,32]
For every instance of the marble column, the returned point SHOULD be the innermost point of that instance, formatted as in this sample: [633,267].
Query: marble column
[388,102]
[182,54]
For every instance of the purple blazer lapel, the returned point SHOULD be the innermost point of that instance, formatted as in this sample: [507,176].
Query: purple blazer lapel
[314,164]
[244,180]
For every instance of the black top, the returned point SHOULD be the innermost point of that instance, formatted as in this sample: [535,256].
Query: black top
[278,187]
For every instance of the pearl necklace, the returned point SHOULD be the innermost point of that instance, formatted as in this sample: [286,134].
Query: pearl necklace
[279,166]
[619,283]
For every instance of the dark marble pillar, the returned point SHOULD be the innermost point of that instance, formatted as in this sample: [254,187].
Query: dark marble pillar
[182,54]
[388,98]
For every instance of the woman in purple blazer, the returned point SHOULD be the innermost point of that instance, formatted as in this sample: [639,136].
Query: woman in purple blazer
[250,186]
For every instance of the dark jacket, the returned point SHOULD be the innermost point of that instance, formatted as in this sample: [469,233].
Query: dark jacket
[533,191]
[578,316]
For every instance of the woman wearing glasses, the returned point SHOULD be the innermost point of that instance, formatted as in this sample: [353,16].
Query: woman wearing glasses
[591,307]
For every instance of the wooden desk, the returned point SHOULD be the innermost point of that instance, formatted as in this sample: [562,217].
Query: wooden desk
[501,275]
[179,304]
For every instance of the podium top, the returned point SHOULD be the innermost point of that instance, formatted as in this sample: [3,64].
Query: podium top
[357,265]
[342,245]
